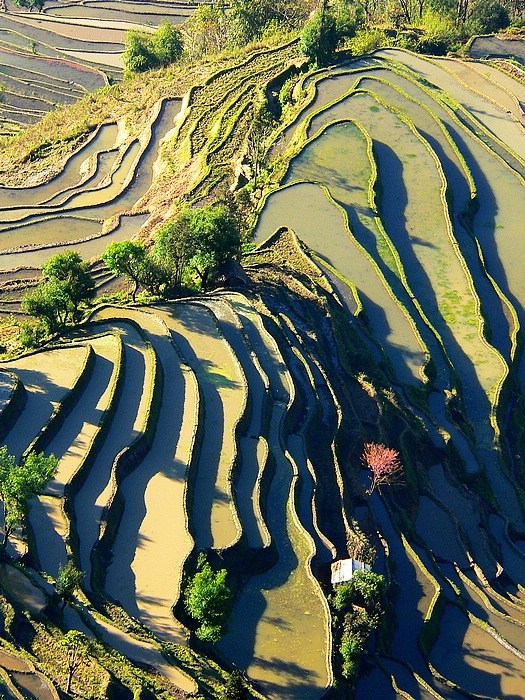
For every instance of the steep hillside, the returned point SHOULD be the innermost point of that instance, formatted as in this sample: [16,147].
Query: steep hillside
[383,304]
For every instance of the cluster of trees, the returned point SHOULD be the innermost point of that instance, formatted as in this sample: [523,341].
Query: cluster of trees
[424,25]
[145,51]
[189,249]
[209,600]
[66,286]
[358,608]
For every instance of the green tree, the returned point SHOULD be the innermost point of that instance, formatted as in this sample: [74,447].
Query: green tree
[215,238]
[144,51]
[48,301]
[139,54]
[235,687]
[76,647]
[19,483]
[488,17]
[209,601]
[69,578]
[131,259]
[30,4]
[319,37]
[167,44]
[126,258]
[173,248]
[74,276]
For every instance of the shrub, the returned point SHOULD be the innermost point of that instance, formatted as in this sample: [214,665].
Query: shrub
[351,650]
[144,51]
[440,33]
[319,38]
[488,17]
[32,333]
[235,688]
[209,601]
[367,40]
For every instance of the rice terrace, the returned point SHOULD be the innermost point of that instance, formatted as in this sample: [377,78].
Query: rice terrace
[262,385]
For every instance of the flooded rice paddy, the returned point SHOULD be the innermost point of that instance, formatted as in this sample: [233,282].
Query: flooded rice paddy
[413,202]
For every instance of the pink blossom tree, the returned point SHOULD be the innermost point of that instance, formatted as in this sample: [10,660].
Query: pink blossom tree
[383,462]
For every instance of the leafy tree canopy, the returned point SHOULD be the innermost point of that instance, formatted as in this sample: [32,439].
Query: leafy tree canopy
[69,578]
[144,51]
[19,483]
[73,274]
[209,601]
[67,284]
[215,238]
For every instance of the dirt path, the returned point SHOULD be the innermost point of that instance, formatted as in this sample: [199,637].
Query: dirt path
[153,540]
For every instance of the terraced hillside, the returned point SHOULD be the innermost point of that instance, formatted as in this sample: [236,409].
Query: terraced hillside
[58,56]
[384,303]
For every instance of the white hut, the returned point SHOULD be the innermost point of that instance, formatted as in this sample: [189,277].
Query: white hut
[344,569]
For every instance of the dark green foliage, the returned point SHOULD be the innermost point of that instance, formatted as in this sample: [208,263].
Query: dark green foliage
[144,51]
[235,688]
[138,54]
[69,578]
[215,239]
[351,651]
[32,333]
[131,259]
[319,38]
[368,588]
[209,601]
[173,248]
[488,16]
[19,483]
[357,607]
[48,302]
[198,241]
[74,276]
[30,4]
[167,44]
[67,284]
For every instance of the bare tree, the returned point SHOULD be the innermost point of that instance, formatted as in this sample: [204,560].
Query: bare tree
[383,462]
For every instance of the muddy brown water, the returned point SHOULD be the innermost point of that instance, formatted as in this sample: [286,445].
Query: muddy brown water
[494,118]
[278,629]
[252,447]
[69,177]
[113,12]
[35,258]
[214,518]
[47,377]
[70,446]
[153,540]
[497,47]
[470,657]
[126,425]
[315,214]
